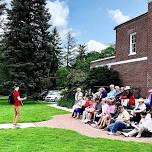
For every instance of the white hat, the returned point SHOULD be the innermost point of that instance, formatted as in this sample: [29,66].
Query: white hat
[127,87]
[140,100]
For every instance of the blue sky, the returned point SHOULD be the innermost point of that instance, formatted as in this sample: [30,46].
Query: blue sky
[92,21]
[90,18]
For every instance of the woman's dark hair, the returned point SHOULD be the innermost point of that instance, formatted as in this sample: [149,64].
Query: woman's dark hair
[143,113]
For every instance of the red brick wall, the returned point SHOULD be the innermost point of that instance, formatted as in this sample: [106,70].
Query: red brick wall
[138,25]
[134,75]
[149,66]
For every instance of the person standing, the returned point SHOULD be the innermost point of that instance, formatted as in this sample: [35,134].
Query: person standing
[17,103]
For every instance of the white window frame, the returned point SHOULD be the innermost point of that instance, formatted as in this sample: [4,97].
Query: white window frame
[132,43]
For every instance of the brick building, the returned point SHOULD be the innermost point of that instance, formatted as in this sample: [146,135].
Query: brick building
[133,59]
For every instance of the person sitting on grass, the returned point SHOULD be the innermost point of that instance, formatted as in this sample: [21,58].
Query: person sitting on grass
[102,93]
[122,122]
[86,113]
[128,99]
[96,109]
[141,107]
[112,92]
[145,124]
[97,116]
[106,118]
[17,104]
[78,102]
[87,103]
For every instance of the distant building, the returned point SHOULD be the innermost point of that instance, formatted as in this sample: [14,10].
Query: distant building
[133,58]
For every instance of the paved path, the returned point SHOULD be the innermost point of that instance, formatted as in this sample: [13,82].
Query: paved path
[58,107]
[21,125]
[67,122]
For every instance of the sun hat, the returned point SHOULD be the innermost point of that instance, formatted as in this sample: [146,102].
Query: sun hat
[127,87]
[140,100]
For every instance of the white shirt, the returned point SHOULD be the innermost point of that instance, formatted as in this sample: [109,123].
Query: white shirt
[78,96]
[140,108]
[147,123]
[105,108]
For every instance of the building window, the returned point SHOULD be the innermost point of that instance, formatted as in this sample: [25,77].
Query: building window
[132,44]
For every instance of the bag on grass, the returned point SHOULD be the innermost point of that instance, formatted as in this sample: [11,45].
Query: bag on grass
[11,99]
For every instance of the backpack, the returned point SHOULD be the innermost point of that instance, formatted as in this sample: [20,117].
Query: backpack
[11,99]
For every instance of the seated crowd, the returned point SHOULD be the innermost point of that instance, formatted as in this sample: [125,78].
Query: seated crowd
[115,111]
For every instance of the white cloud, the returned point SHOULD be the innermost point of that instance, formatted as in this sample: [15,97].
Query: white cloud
[60,13]
[118,16]
[93,45]
[3,18]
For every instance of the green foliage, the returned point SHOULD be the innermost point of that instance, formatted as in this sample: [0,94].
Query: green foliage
[84,64]
[102,76]
[61,75]
[56,50]
[63,102]
[76,78]
[82,51]
[27,50]
[110,51]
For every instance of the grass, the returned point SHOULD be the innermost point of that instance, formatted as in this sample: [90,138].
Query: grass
[60,140]
[30,112]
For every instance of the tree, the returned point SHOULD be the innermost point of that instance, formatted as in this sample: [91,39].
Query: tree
[2,7]
[61,75]
[102,76]
[84,64]
[69,50]
[76,78]
[109,51]
[82,51]
[27,48]
[56,50]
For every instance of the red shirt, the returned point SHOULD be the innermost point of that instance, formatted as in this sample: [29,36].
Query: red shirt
[16,95]
[88,103]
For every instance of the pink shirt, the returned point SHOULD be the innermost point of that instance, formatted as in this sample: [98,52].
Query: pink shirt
[111,108]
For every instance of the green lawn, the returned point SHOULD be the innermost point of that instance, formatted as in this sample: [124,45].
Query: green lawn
[30,112]
[60,140]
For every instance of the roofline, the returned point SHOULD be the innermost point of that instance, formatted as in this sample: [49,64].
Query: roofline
[122,62]
[103,59]
[130,20]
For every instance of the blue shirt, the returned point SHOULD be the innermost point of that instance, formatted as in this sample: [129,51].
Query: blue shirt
[112,93]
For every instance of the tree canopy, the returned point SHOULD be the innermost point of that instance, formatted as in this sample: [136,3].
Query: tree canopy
[27,51]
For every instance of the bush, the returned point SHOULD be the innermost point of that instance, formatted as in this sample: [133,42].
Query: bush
[66,102]
[103,76]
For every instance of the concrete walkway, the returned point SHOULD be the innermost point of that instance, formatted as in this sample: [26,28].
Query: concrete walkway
[21,125]
[58,107]
[67,122]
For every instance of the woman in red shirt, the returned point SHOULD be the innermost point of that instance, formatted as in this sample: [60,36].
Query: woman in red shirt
[17,103]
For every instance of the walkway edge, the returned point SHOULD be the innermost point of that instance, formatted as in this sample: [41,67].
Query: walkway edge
[59,107]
